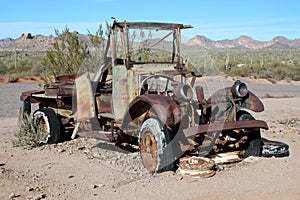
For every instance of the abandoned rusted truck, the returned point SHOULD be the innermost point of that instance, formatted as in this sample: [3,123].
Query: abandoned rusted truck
[144,95]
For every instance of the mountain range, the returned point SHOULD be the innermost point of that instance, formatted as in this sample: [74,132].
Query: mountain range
[243,42]
[40,42]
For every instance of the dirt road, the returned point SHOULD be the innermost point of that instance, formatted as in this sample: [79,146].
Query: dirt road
[77,170]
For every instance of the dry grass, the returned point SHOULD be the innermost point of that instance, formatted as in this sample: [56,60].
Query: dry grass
[28,135]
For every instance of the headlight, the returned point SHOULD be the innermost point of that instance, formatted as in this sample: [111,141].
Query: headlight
[239,89]
[183,92]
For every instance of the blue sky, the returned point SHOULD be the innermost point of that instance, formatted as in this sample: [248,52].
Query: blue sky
[216,19]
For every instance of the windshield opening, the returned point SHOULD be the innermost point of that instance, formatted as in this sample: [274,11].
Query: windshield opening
[145,45]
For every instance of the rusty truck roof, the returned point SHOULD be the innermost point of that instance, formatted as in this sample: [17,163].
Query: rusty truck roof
[153,25]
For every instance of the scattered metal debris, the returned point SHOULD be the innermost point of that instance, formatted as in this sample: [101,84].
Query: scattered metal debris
[274,149]
[228,157]
[196,167]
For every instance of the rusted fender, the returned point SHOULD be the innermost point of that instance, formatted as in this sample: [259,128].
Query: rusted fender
[165,109]
[25,95]
[253,103]
[250,101]
[222,126]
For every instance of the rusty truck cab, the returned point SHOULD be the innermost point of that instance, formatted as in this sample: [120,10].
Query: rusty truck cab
[134,48]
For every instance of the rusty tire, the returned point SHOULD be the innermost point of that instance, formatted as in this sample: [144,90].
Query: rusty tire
[156,152]
[254,144]
[47,120]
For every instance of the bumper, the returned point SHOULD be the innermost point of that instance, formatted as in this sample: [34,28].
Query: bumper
[222,126]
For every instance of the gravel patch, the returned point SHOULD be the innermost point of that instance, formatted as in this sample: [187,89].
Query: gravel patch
[10,97]
[118,158]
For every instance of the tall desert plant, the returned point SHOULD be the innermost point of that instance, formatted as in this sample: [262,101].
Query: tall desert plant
[67,53]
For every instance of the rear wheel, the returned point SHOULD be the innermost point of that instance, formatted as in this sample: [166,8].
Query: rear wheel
[155,148]
[46,120]
[254,143]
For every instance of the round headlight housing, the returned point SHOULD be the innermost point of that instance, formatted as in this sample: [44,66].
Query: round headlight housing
[183,92]
[186,92]
[239,89]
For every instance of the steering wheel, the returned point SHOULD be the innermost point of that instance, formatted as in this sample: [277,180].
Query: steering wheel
[142,89]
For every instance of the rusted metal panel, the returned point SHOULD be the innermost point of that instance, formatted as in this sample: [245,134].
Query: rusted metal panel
[67,78]
[200,94]
[106,136]
[63,112]
[251,101]
[120,91]
[220,126]
[166,109]
[227,157]
[85,98]
[153,25]
[59,89]
[25,95]
[104,104]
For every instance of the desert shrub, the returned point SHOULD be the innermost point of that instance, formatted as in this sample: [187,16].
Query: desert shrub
[22,62]
[285,71]
[97,48]
[67,54]
[27,135]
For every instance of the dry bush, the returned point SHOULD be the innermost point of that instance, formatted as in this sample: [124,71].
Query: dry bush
[28,135]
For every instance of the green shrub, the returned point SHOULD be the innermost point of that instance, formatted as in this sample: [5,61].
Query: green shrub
[67,55]
[27,135]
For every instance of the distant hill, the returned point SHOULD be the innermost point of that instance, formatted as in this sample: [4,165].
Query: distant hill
[243,41]
[42,43]
[31,42]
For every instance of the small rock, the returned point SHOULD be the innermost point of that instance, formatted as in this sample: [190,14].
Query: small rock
[61,150]
[252,159]
[93,186]
[81,148]
[39,196]
[179,177]
[12,196]
[168,173]
[37,188]
[29,189]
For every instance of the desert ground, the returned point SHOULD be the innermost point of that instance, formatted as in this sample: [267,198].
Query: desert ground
[91,169]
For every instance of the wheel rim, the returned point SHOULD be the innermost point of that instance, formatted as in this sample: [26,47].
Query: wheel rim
[148,148]
[43,126]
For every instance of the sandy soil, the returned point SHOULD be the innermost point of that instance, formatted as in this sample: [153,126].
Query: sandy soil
[73,170]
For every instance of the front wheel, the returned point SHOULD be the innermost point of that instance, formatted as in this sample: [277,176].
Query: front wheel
[156,150]
[46,120]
